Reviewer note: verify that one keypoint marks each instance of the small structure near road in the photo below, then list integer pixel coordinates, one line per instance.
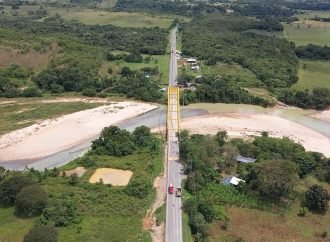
(232, 180)
(245, 160)
(191, 61)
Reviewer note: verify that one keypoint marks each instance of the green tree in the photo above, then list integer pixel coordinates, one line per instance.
(142, 136)
(43, 233)
(10, 187)
(31, 201)
(138, 188)
(114, 141)
(273, 180)
(221, 137)
(317, 198)
(61, 215)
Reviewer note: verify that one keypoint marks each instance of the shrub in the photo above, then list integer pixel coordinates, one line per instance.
(317, 198)
(134, 57)
(73, 179)
(87, 161)
(89, 92)
(32, 92)
(61, 215)
(303, 211)
(30, 201)
(138, 189)
(11, 187)
(42, 233)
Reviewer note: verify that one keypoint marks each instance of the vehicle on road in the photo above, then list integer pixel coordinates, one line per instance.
(171, 188)
(178, 192)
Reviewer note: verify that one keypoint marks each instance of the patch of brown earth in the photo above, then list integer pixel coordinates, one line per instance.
(30, 59)
(79, 171)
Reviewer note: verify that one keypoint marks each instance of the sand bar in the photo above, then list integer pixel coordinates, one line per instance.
(52, 136)
(322, 115)
(243, 125)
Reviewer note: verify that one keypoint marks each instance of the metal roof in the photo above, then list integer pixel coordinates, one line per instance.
(232, 180)
(245, 159)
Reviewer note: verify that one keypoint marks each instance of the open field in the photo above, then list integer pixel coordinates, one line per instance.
(312, 13)
(258, 226)
(308, 32)
(316, 74)
(11, 227)
(111, 176)
(160, 61)
(10, 56)
(244, 77)
(122, 19)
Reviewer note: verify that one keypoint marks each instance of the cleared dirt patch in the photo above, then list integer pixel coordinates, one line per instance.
(79, 171)
(30, 59)
(111, 176)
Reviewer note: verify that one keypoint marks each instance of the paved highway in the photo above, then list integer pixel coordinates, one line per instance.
(173, 231)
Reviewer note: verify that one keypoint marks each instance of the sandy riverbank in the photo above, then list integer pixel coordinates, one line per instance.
(243, 125)
(322, 115)
(52, 136)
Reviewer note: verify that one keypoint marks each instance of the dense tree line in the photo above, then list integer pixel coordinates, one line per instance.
(313, 52)
(308, 5)
(220, 89)
(317, 98)
(173, 7)
(217, 38)
(264, 10)
(145, 40)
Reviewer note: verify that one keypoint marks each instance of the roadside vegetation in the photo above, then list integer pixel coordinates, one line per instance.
(276, 184)
(70, 208)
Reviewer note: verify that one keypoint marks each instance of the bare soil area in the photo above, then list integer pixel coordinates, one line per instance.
(79, 171)
(111, 176)
(9, 56)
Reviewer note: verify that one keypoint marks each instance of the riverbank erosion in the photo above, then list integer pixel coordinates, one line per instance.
(245, 125)
(51, 136)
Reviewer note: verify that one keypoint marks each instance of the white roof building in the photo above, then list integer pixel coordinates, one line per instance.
(232, 180)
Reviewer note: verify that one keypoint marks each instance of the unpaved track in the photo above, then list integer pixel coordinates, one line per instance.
(149, 222)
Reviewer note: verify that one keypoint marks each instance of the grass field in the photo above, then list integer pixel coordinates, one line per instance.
(122, 19)
(16, 116)
(160, 61)
(244, 77)
(308, 32)
(107, 213)
(316, 74)
(11, 227)
(312, 13)
(256, 225)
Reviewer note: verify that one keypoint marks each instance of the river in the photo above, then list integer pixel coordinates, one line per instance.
(157, 118)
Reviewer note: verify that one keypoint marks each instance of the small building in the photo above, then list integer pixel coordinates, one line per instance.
(232, 180)
(163, 89)
(194, 67)
(192, 61)
(243, 159)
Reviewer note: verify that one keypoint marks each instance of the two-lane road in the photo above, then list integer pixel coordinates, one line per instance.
(173, 231)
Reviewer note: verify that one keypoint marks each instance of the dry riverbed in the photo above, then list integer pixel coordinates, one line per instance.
(52, 136)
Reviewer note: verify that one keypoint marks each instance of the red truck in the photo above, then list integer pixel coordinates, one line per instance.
(171, 188)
